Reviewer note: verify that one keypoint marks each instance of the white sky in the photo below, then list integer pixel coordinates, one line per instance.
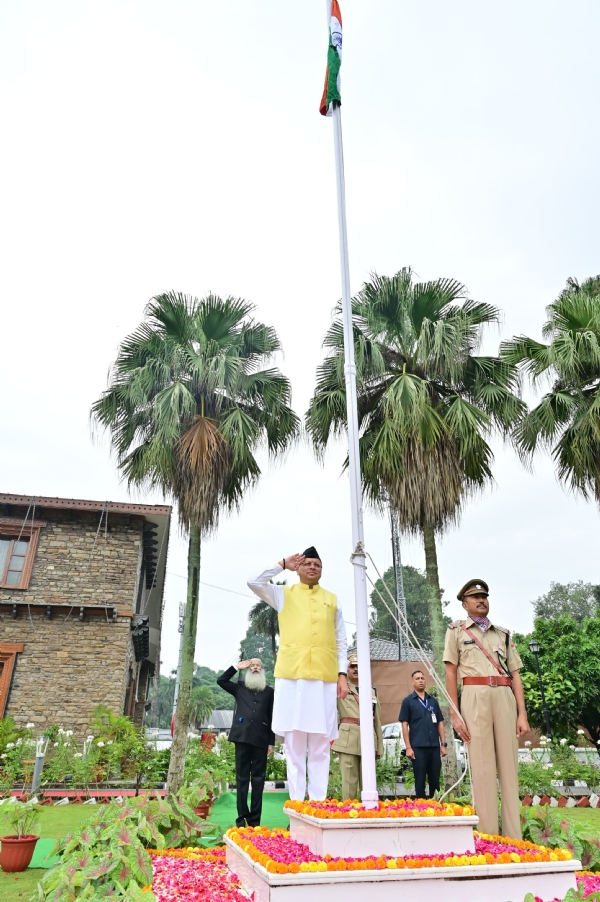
(150, 146)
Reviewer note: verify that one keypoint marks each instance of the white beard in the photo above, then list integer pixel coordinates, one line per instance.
(255, 681)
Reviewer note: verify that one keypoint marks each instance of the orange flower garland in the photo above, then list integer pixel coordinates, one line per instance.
(351, 808)
(264, 846)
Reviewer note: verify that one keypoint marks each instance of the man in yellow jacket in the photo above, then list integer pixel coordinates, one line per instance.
(310, 674)
(347, 745)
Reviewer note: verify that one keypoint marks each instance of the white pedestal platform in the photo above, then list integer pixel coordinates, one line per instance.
(397, 837)
(475, 883)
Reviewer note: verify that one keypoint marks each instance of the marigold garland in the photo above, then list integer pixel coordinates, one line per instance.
(200, 875)
(278, 853)
(352, 808)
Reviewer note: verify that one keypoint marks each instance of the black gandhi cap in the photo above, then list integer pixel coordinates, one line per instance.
(312, 552)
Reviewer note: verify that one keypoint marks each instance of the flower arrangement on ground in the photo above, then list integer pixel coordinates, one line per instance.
(183, 875)
(192, 874)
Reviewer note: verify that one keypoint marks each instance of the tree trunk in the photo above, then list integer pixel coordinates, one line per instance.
(182, 714)
(436, 621)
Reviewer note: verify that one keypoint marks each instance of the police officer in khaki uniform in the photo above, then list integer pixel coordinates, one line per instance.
(348, 742)
(483, 656)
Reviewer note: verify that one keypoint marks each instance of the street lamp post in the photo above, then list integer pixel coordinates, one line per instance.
(534, 648)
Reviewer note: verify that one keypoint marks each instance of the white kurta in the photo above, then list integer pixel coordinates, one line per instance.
(309, 706)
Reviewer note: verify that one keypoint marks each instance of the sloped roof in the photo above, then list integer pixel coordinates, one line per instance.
(385, 650)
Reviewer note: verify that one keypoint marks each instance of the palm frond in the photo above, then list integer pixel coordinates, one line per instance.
(190, 399)
(426, 403)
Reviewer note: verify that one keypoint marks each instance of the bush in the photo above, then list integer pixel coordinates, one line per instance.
(214, 768)
(546, 827)
(107, 857)
(555, 761)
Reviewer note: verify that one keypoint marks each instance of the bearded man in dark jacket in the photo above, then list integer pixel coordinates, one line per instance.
(252, 734)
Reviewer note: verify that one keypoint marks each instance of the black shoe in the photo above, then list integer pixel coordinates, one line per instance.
(240, 822)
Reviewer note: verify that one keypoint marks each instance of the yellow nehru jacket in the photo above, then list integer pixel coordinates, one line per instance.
(307, 645)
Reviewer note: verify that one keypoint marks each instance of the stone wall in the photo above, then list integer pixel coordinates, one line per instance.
(63, 571)
(68, 667)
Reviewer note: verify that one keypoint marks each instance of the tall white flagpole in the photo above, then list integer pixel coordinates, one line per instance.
(369, 795)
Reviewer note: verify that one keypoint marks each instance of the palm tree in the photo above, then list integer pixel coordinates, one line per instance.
(202, 703)
(567, 419)
(189, 402)
(426, 405)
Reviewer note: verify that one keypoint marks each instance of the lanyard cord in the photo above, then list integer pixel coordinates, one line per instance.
(421, 655)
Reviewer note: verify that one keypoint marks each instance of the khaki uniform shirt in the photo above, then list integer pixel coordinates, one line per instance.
(348, 741)
(460, 649)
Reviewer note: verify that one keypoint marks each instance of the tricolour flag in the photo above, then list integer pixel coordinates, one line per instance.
(331, 91)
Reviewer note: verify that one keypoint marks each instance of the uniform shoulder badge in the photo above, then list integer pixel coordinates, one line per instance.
(455, 624)
(502, 629)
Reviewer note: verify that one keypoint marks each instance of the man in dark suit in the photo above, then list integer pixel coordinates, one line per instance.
(252, 734)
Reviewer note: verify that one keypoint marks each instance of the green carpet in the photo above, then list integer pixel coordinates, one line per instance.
(43, 847)
(224, 811)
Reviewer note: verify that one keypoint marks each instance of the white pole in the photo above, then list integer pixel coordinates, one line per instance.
(180, 659)
(369, 795)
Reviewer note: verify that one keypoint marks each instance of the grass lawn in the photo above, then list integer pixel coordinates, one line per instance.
(54, 823)
(588, 817)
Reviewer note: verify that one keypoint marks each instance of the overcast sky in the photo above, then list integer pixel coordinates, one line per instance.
(151, 145)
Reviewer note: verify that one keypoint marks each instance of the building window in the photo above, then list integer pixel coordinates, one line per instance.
(17, 552)
(13, 554)
(8, 655)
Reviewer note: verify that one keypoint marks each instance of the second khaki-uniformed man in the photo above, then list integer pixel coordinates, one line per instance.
(492, 707)
(348, 742)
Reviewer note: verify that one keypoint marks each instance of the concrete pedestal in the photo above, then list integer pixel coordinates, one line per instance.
(384, 836)
(473, 883)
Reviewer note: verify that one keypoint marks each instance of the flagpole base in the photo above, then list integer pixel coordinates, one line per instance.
(369, 798)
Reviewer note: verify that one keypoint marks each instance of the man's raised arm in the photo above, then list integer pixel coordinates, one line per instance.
(266, 591)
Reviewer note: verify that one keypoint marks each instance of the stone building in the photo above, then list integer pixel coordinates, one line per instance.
(81, 599)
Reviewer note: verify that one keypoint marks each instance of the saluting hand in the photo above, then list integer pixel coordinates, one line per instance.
(243, 664)
(292, 561)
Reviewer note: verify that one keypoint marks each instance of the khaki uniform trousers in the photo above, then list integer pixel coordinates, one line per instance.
(490, 713)
(351, 776)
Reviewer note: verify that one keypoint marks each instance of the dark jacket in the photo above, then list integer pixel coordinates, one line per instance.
(253, 712)
(422, 730)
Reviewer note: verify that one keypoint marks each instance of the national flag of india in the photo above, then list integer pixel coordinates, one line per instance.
(331, 91)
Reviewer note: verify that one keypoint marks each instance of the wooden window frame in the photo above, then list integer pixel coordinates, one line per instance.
(8, 657)
(11, 527)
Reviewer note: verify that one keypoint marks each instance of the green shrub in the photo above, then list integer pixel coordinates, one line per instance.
(19, 819)
(546, 827)
(107, 857)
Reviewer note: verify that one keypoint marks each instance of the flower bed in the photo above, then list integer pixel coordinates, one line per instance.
(278, 853)
(201, 875)
(588, 882)
(351, 808)
(194, 875)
